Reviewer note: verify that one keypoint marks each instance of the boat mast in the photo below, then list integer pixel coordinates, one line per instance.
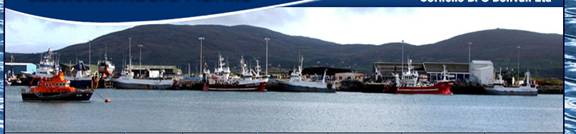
(220, 62)
(242, 65)
(130, 51)
(500, 76)
(444, 73)
(527, 75)
(258, 69)
(301, 64)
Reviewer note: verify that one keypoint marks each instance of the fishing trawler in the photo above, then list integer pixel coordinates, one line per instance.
(105, 71)
(47, 66)
(55, 88)
(409, 83)
(499, 88)
(106, 68)
(378, 84)
(249, 80)
(82, 77)
(297, 84)
(142, 77)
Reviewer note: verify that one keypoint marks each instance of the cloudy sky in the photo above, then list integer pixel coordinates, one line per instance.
(419, 26)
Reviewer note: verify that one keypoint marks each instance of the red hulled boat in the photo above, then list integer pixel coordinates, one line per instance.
(410, 83)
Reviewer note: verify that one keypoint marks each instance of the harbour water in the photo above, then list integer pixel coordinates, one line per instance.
(198, 111)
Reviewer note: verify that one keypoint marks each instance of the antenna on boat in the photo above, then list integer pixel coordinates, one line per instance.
(527, 75)
(301, 64)
(444, 73)
(57, 61)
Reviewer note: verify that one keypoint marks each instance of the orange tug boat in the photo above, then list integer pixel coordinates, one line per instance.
(55, 88)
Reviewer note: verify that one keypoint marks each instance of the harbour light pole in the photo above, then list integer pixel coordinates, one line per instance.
(130, 51)
(518, 61)
(402, 55)
(140, 56)
(469, 52)
(89, 53)
(201, 38)
(469, 59)
(266, 39)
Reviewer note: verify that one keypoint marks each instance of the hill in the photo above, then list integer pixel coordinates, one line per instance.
(179, 45)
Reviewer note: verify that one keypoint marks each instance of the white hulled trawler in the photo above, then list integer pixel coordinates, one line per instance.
(142, 77)
(297, 84)
(248, 80)
(500, 88)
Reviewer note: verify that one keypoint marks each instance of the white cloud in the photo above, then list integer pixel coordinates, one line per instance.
(28, 34)
(420, 25)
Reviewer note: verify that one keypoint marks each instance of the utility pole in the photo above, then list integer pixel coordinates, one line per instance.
(402, 55)
(188, 69)
(201, 38)
(140, 56)
(469, 59)
(130, 51)
(518, 61)
(266, 39)
(89, 53)
(469, 52)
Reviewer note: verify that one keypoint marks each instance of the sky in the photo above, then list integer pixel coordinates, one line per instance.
(417, 26)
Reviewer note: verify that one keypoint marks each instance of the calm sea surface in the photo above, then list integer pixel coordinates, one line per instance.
(170, 111)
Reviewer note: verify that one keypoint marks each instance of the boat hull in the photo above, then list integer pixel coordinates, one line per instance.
(238, 87)
(120, 85)
(524, 91)
(189, 84)
(143, 84)
(84, 84)
(378, 88)
(81, 95)
(286, 86)
(443, 88)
